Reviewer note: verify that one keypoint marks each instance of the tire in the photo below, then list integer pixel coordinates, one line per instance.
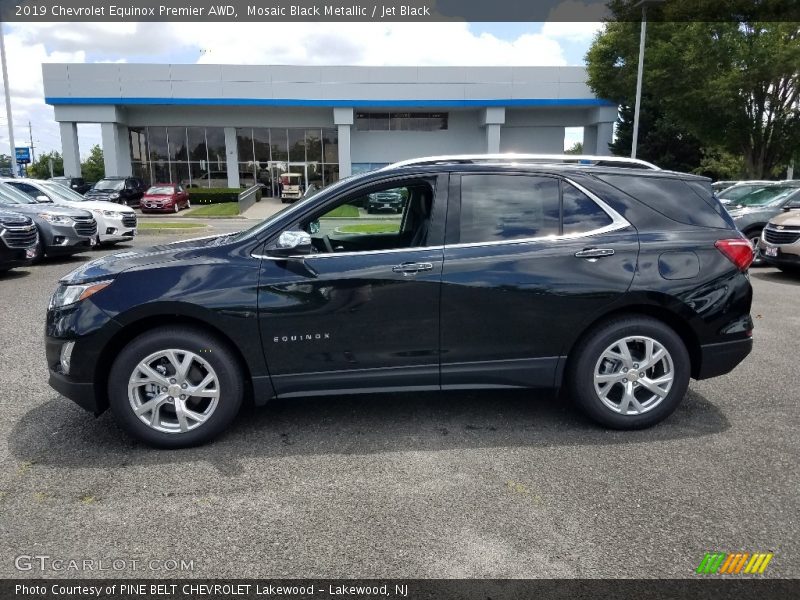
(188, 204)
(754, 235)
(210, 357)
(175, 208)
(591, 358)
(39, 251)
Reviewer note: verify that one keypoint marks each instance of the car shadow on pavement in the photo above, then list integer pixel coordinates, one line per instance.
(16, 273)
(60, 434)
(777, 276)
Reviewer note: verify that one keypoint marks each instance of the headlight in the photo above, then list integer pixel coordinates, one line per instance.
(70, 294)
(114, 195)
(113, 214)
(56, 219)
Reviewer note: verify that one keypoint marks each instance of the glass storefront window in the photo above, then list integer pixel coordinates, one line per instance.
(330, 145)
(157, 141)
(279, 144)
(297, 145)
(177, 144)
(313, 145)
(261, 139)
(197, 143)
(244, 144)
(215, 138)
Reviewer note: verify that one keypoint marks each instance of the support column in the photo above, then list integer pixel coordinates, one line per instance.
(605, 135)
(70, 150)
(232, 157)
(116, 149)
(343, 119)
(590, 139)
(492, 118)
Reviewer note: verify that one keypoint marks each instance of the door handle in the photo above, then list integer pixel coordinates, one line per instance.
(410, 268)
(594, 252)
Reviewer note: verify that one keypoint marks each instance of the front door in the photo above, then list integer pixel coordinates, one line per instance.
(362, 310)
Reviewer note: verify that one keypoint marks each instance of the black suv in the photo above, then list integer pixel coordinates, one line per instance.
(77, 184)
(122, 190)
(18, 240)
(618, 284)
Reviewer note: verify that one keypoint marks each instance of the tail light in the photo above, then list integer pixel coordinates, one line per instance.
(738, 251)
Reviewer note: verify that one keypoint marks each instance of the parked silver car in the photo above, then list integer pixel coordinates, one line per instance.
(62, 229)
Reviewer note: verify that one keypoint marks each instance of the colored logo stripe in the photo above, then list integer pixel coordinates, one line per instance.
(723, 563)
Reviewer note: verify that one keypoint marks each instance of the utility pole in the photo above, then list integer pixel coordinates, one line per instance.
(30, 133)
(8, 102)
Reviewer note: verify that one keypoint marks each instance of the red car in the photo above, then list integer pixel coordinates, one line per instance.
(165, 197)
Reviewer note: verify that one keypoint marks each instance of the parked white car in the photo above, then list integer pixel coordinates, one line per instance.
(115, 222)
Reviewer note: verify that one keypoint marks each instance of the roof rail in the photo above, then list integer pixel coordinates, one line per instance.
(576, 159)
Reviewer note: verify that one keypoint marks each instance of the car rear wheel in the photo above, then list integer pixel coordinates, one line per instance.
(630, 373)
(175, 387)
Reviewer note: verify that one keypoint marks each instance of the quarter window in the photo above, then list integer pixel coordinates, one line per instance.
(580, 213)
(508, 207)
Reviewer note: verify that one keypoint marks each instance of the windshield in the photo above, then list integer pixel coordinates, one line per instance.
(160, 190)
(62, 192)
(10, 195)
(765, 196)
(110, 185)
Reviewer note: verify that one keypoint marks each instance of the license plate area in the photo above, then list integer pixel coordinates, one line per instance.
(771, 252)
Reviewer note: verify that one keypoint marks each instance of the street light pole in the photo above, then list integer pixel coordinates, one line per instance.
(639, 72)
(8, 101)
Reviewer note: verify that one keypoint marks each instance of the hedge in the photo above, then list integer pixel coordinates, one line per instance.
(215, 195)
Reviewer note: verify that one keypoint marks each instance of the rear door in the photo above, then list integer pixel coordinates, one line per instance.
(528, 260)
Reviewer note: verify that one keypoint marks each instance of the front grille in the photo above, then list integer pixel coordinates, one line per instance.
(85, 226)
(129, 220)
(19, 237)
(787, 236)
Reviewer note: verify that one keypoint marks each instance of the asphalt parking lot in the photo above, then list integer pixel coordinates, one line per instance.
(461, 484)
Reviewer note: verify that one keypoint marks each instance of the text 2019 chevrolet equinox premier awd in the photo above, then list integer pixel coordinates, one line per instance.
(617, 283)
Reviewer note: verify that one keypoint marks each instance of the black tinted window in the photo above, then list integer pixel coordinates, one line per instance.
(581, 213)
(669, 196)
(508, 207)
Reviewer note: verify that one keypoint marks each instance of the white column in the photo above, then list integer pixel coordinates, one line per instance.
(70, 149)
(605, 135)
(343, 119)
(492, 118)
(232, 157)
(116, 149)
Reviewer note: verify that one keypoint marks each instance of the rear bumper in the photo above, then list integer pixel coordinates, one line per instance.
(722, 358)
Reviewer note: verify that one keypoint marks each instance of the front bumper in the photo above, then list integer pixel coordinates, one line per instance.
(63, 239)
(721, 358)
(11, 258)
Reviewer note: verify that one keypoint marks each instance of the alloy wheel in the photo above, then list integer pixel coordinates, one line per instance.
(633, 375)
(173, 391)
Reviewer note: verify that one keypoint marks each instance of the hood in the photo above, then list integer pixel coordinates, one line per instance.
(113, 264)
(102, 205)
(159, 197)
(48, 208)
(789, 218)
(8, 217)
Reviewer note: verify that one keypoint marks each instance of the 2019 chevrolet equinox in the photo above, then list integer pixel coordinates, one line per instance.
(618, 282)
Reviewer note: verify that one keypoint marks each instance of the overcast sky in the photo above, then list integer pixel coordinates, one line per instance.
(28, 45)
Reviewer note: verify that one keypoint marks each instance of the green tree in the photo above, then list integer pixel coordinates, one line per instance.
(730, 86)
(41, 168)
(93, 168)
(576, 148)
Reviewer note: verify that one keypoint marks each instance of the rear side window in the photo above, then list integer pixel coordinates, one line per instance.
(508, 207)
(671, 197)
(580, 213)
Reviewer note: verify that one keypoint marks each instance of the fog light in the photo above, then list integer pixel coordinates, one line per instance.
(66, 357)
(59, 239)
(111, 230)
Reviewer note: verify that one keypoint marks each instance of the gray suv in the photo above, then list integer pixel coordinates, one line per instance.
(62, 229)
(753, 211)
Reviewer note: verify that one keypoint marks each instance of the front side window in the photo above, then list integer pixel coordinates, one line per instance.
(386, 218)
(508, 207)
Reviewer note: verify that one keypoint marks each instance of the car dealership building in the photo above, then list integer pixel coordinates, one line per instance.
(206, 124)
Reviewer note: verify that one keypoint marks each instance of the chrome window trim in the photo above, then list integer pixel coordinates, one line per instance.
(618, 222)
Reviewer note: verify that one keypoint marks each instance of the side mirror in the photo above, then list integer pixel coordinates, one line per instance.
(42, 198)
(291, 243)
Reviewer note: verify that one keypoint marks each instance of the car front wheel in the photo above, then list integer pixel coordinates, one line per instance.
(175, 387)
(630, 373)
